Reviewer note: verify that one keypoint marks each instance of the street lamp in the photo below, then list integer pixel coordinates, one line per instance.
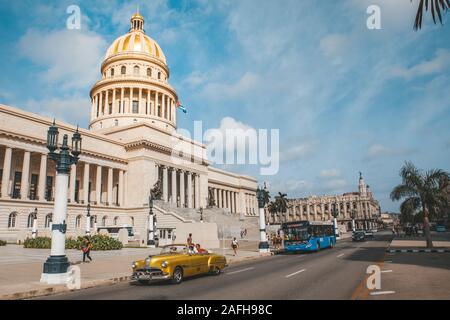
(353, 215)
(151, 224)
(34, 230)
(263, 244)
(88, 220)
(335, 213)
(55, 268)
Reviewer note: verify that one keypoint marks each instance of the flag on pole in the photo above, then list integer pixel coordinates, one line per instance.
(182, 108)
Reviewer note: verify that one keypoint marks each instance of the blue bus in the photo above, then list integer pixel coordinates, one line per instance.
(308, 236)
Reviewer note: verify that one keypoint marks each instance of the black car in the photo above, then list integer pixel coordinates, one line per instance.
(359, 236)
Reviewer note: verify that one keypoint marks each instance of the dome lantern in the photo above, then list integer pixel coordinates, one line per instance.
(137, 22)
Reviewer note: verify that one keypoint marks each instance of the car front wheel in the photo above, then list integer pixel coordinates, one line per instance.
(177, 276)
(215, 271)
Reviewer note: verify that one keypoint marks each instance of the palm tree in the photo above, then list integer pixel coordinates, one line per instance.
(281, 203)
(435, 6)
(421, 191)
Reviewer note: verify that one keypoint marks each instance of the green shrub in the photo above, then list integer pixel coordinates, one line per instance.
(2, 243)
(38, 243)
(99, 243)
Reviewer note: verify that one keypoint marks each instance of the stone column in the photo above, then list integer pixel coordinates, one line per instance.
(148, 110)
(165, 185)
(86, 183)
(182, 188)
(163, 106)
(25, 183)
(219, 204)
(6, 172)
(174, 186)
(122, 100)
(125, 188)
(232, 202)
(107, 101)
(216, 200)
(156, 103)
(140, 109)
(42, 177)
(101, 104)
(98, 185)
(110, 186)
(130, 104)
(189, 189)
(197, 191)
(114, 101)
(227, 205)
(72, 181)
(121, 187)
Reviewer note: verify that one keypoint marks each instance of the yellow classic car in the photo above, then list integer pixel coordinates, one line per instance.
(176, 262)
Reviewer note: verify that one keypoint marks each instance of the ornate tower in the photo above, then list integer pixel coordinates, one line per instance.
(362, 185)
(134, 87)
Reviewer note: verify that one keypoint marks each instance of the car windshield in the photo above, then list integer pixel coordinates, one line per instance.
(181, 249)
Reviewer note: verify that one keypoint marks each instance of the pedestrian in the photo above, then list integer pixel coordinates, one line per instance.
(234, 245)
(190, 244)
(86, 247)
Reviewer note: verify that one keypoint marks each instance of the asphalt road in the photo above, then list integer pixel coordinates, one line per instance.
(337, 273)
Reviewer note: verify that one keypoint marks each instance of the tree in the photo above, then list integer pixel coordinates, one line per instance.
(422, 191)
(437, 8)
(281, 203)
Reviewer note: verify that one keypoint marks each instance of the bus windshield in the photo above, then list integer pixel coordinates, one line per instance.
(296, 234)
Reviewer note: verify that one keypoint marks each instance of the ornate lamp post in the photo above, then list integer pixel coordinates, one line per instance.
(353, 215)
(34, 230)
(263, 244)
(88, 220)
(335, 213)
(55, 268)
(151, 224)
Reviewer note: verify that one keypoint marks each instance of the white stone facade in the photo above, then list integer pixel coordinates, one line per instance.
(131, 143)
(361, 204)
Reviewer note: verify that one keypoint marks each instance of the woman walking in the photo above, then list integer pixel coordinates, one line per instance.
(86, 247)
(234, 245)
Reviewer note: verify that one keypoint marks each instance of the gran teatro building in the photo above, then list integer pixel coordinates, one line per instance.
(130, 145)
(359, 205)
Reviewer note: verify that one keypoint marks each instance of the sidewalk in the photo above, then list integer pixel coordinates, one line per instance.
(20, 269)
(441, 243)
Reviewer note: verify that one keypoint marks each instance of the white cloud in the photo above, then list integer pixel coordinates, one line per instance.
(330, 173)
(303, 150)
(71, 109)
(71, 58)
(439, 64)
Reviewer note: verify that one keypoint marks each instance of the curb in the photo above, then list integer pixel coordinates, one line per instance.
(46, 291)
(417, 250)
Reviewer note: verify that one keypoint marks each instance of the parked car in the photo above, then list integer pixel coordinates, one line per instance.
(358, 236)
(368, 233)
(176, 262)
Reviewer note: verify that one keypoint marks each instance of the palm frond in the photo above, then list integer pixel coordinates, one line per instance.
(435, 6)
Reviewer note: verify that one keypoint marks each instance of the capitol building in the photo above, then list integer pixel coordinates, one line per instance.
(130, 145)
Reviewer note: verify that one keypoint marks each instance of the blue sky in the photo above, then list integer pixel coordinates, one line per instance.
(345, 98)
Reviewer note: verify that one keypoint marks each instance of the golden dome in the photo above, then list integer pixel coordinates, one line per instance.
(136, 42)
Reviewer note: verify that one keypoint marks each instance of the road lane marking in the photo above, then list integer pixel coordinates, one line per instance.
(242, 270)
(342, 254)
(377, 293)
(385, 271)
(293, 274)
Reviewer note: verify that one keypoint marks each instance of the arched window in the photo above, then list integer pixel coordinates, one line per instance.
(30, 220)
(104, 219)
(93, 219)
(123, 70)
(112, 72)
(12, 220)
(149, 72)
(132, 221)
(159, 75)
(116, 220)
(78, 222)
(136, 70)
(48, 220)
